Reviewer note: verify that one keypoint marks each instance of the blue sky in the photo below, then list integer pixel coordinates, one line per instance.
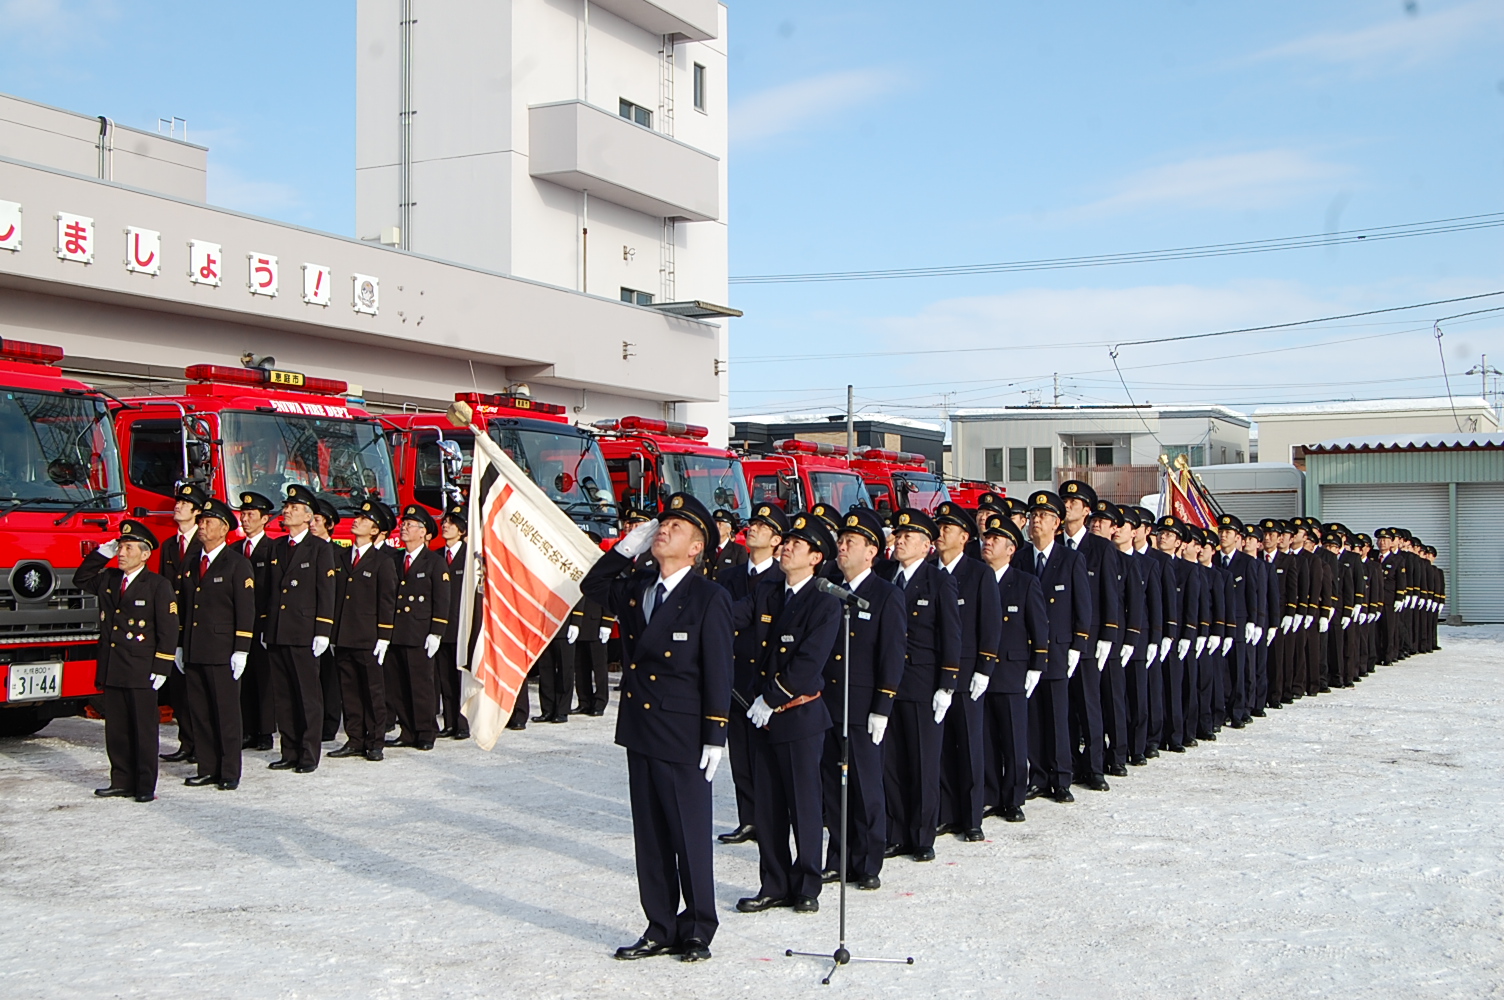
(866, 135)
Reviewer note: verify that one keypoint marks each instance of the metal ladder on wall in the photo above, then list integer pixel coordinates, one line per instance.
(666, 125)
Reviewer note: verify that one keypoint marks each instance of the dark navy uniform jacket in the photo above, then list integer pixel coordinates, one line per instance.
(878, 644)
(368, 599)
(933, 648)
(1192, 624)
(1169, 593)
(422, 598)
(457, 591)
(981, 617)
(138, 630)
(1243, 604)
(1151, 572)
(1067, 601)
(1024, 642)
(1135, 604)
(755, 601)
(261, 562)
(804, 631)
(219, 610)
(301, 580)
(1105, 576)
(676, 679)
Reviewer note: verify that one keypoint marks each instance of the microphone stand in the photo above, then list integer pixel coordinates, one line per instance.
(841, 956)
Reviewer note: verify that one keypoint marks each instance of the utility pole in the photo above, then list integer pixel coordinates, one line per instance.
(850, 424)
(1483, 371)
(1057, 388)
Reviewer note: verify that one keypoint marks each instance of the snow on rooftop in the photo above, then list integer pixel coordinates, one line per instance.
(1410, 442)
(837, 420)
(1374, 406)
(1068, 412)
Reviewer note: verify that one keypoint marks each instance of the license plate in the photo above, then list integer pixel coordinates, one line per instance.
(35, 681)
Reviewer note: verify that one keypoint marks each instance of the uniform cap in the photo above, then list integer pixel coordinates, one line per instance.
(1075, 489)
(634, 515)
(687, 507)
(1045, 500)
(1002, 526)
(725, 516)
(950, 512)
(992, 501)
(298, 493)
(458, 516)
(866, 522)
(135, 531)
(1107, 510)
(772, 515)
(193, 493)
(250, 500)
(1016, 506)
(379, 514)
(417, 512)
(813, 530)
(213, 507)
(1253, 531)
(1174, 525)
(828, 514)
(1229, 521)
(914, 519)
(1130, 515)
(326, 510)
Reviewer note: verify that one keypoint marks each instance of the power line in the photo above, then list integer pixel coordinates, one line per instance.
(1465, 223)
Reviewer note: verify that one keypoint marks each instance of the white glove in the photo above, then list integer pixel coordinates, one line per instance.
(941, 703)
(979, 684)
(1164, 648)
(1269, 637)
(237, 664)
(1358, 612)
(263, 641)
(1248, 631)
(1072, 657)
(639, 539)
(710, 759)
(1152, 653)
(877, 726)
(1226, 644)
(1182, 647)
(1258, 634)
(320, 645)
(108, 549)
(1124, 655)
(1200, 644)
(1346, 621)
(431, 645)
(380, 650)
(177, 659)
(1031, 681)
(1309, 619)
(1325, 623)
(605, 634)
(1286, 623)
(157, 680)
(1399, 605)
(760, 712)
(571, 634)
(1103, 648)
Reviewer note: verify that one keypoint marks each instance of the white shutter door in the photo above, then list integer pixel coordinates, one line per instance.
(1419, 507)
(1477, 587)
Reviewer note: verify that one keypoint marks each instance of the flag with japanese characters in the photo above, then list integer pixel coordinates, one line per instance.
(522, 576)
(1183, 498)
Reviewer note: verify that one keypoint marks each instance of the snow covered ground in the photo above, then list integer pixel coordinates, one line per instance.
(1347, 846)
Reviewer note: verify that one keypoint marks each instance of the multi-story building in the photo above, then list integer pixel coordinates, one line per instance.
(1285, 430)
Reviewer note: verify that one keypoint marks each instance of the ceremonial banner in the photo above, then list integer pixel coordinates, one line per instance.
(1183, 497)
(523, 569)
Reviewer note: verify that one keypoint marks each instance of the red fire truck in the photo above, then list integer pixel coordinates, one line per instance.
(433, 456)
(260, 429)
(60, 497)
(968, 492)
(652, 459)
(799, 474)
(899, 479)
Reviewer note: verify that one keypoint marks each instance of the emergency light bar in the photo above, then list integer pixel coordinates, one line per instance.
(265, 377)
(21, 350)
(799, 447)
(672, 428)
(884, 455)
(505, 400)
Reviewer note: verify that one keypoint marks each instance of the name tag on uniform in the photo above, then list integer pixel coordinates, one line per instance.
(922, 603)
(960, 600)
(421, 575)
(366, 574)
(865, 616)
(219, 579)
(786, 638)
(1237, 579)
(1013, 608)
(1059, 586)
(681, 636)
(768, 619)
(1279, 571)
(140, 604)
(304, 566)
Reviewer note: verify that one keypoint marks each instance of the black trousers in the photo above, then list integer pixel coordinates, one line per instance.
(789, 801)
(1136, 699)
(1172, 671)
(963, 772)
(1049, 734)
(1208, 665)
(555, 679)
(417, 713)
(131, 724)
(1114, 696)
(1086, 718)
(1258, 678)
(362, 685)
(176, 692)
(866, 832)
(1154, 702)
(214, 700)
(333, 702)
(911, 772)
(447, 671)
(258, 709)
(592, 690)
(1008, 723)
(1190, 697)
(743, 743)
(671, 835)
(522, 707)
(300, 703)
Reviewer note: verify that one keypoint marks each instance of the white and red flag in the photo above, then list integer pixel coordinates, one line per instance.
(522, 576)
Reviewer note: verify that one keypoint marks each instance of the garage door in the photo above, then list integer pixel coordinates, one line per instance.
(1422, 508)
(1478, 584)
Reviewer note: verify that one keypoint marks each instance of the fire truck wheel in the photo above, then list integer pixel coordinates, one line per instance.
(21, 721)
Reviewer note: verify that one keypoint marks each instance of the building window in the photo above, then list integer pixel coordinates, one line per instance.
(636, 113)
(992, 459)
(631, 295)
(1018, 465)
(699, 87)
(1043, 473)
(1104, 454)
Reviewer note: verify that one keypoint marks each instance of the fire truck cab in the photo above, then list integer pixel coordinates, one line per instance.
(968, 492)
(899, 479)
(260, 429)
(433, 457)
(652, 459)
(61, 496)
(799, 474)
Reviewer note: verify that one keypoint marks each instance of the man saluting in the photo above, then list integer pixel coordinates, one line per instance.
(675, 694)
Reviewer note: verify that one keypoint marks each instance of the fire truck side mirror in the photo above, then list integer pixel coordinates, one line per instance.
(139, 512)
(634, 473)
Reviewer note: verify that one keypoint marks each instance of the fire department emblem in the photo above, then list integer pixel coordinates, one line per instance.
(32, 581)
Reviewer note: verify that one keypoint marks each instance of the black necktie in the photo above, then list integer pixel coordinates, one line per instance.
(1071, 544)
(1039, 564)
(660, 594)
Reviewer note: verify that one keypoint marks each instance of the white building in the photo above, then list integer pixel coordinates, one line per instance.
(1283, 430)
(579, 143)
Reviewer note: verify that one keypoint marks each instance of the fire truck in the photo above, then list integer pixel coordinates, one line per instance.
(260, 429)
(968, 492)
(796, 475)
(433, 456)
(653, 459)
(61, 496)
(899, 479)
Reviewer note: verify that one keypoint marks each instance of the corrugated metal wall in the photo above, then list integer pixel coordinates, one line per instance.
(1403, 467)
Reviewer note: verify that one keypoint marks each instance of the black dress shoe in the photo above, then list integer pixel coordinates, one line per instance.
(282, 765)
(975, 836)
(201, 779)
(830, 875)
(693, 950)
(1097, 783)
(423, 745)
(248, 743)
(462, 734)
(523, 725)
(1062, 795)
(1035, 792)
(264, 743)
(869, 882)
(348, 750)
(1012, 814)
(989, 811)
(446, 732)
(1189, 743)
(1117, 770)
(559, 718)
(305, 769)
(894, 850)
(1208, 737)
(330, 737)
(146, 798)
(945, 828)
(806, 904)
(756, 904)
(228, 786)
(740, 835)
(1176, 748)
(1138, 760)
(1259, 713)
(1152, 752)
(924, 854)
(543, 718)
(176, 755)
(112, 793)
(596, 715)
(642, 948)
(376, 754)
(1237, 724)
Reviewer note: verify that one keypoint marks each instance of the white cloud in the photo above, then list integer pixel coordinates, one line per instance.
(1234, 182)
(1405, 41)
(792, 106)
(228, 188)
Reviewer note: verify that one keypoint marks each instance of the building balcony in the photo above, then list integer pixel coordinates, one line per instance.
(585, 148)
(692, 20)
(1118, 483)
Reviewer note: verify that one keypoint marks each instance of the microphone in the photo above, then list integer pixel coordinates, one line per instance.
(824, 586)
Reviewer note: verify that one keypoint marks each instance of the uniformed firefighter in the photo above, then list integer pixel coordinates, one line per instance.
(175, 559)
(363, 631)
(258, 711)
(423, 585)
(299, 622)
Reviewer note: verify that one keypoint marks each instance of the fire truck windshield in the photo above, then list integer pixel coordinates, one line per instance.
(567, 465)
(921, 490)
(842, 490)
(344, 461)
(717, 482)
(57, 449)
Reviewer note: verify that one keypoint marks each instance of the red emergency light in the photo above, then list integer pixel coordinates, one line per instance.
(511, 402)
(647, 425)
(799, 447)
(267, 377)
(901, 457)
(21, 350)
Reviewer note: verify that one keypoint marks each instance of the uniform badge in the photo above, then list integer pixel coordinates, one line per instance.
(677, 503)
